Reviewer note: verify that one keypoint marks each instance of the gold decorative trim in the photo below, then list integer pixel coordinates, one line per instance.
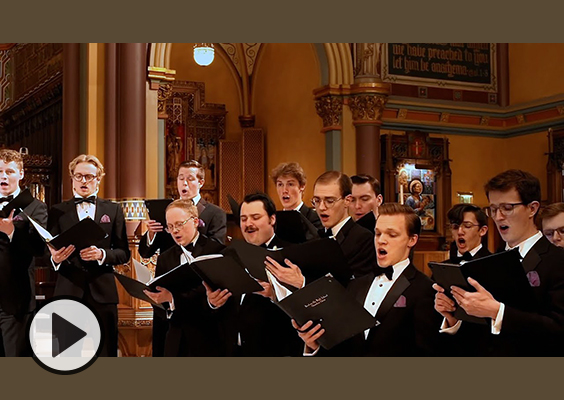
(484, 120)
(520, 119)
(367, 107)
(161, 74)
(445, 117)
(164, 92)
(330, 109)
(560, 109)
(402, 113)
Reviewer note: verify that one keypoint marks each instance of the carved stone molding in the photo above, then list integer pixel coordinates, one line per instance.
(164, 92)
(367, 108)
(330, 109)
(367, 60)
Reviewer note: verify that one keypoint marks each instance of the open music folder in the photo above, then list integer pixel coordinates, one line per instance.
(21, 201)
(327, 302)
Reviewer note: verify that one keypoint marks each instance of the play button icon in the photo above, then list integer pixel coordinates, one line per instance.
(65, 336)
(67, 333)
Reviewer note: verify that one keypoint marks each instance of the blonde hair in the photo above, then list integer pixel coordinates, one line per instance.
(8, 156)
(90, 159)
(186, 205)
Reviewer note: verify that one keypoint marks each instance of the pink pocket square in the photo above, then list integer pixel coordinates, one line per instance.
(401, 302)
(201, 223)
(105, 219)
(17, 218)
(533, 277)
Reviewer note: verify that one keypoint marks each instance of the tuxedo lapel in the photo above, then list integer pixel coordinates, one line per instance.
(201, 206)
(364, 284)
(533, 257)
(400, 285)
(342, 235)
(199, 246)
(70, 216)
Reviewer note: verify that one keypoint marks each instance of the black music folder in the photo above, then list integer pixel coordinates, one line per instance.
(157, 209)
(326, 301)
(293, 227)
(22, 200)
(226, 273)
(135, 288)
(368, 221)
(501, 274)
(250, 256)
(83, 234)
(235, 209)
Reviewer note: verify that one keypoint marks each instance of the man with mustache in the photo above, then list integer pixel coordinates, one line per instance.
(514, 198)
(213, 220)
(19, 242)
(253, 326)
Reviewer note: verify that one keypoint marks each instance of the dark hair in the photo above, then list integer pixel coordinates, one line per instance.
(363, 178)
(267, 202)
(412, 221)
(551, 210)
(345, 184)
(526, 184)
(292, 169)
(456, 214)
(201, 174)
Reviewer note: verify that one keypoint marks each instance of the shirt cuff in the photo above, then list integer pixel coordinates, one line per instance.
(170, 310)
(308, 353)
(150, 241)
(212, 307)
(56, 266)
(496, 324)
(452, 329)
(10, 236)
(101, 262)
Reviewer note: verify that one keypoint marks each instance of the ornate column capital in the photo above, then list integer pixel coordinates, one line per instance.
(164, 92)
(330, 109)
(367, 109)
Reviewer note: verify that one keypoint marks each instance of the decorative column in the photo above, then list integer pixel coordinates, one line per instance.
(71, 112)
(330, 108)
(131, 130)
(110, 123)
(368, 99)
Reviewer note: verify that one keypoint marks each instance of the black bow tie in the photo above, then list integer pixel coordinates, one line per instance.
(189, 247)
(465, 257)
(6, 199)
(90, 199)
(388, 271)
(325, 233)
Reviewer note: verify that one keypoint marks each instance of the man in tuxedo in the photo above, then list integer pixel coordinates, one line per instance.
(253, 325)
(88, 274)
(19, 243)
(331, 198)
(365, 200)
(468, 224)
(552, 217)
(397, 294)
(290, 181)
(187, 328)
(213, 220)
(514, 198)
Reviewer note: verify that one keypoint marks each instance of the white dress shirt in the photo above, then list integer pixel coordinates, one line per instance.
(2, 205)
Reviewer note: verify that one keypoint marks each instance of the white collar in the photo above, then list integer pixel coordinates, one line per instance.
(297, 208)
(398, 269)
(193, 242)
(526, 245)
(338, 227)
(95, 194)
(16, 192)
(196, 199)
(472, 252)
(267, 243)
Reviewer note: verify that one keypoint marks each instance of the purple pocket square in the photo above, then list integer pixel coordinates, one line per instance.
(201, 223)
(533, 277)
(401, 302)
(17, 218)
(105, 219)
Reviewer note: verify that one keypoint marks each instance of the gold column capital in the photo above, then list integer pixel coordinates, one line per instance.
(330, 109)
(367, 109)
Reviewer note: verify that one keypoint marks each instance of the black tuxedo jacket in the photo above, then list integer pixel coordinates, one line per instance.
(357, 244)
(192, 330)
(74, 274)
(17, 283)
(311, 216)
(408, 321)
(265, 329)
(214, 227)
(539, 333)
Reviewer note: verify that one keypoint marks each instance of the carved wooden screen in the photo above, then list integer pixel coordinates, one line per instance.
(193, 131)
(555, 166)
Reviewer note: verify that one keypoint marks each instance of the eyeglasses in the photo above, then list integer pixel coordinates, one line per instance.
(329, 201)
(170, 228)
(464, 225)
(87, 178)
(505, 209)
(549, 233)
